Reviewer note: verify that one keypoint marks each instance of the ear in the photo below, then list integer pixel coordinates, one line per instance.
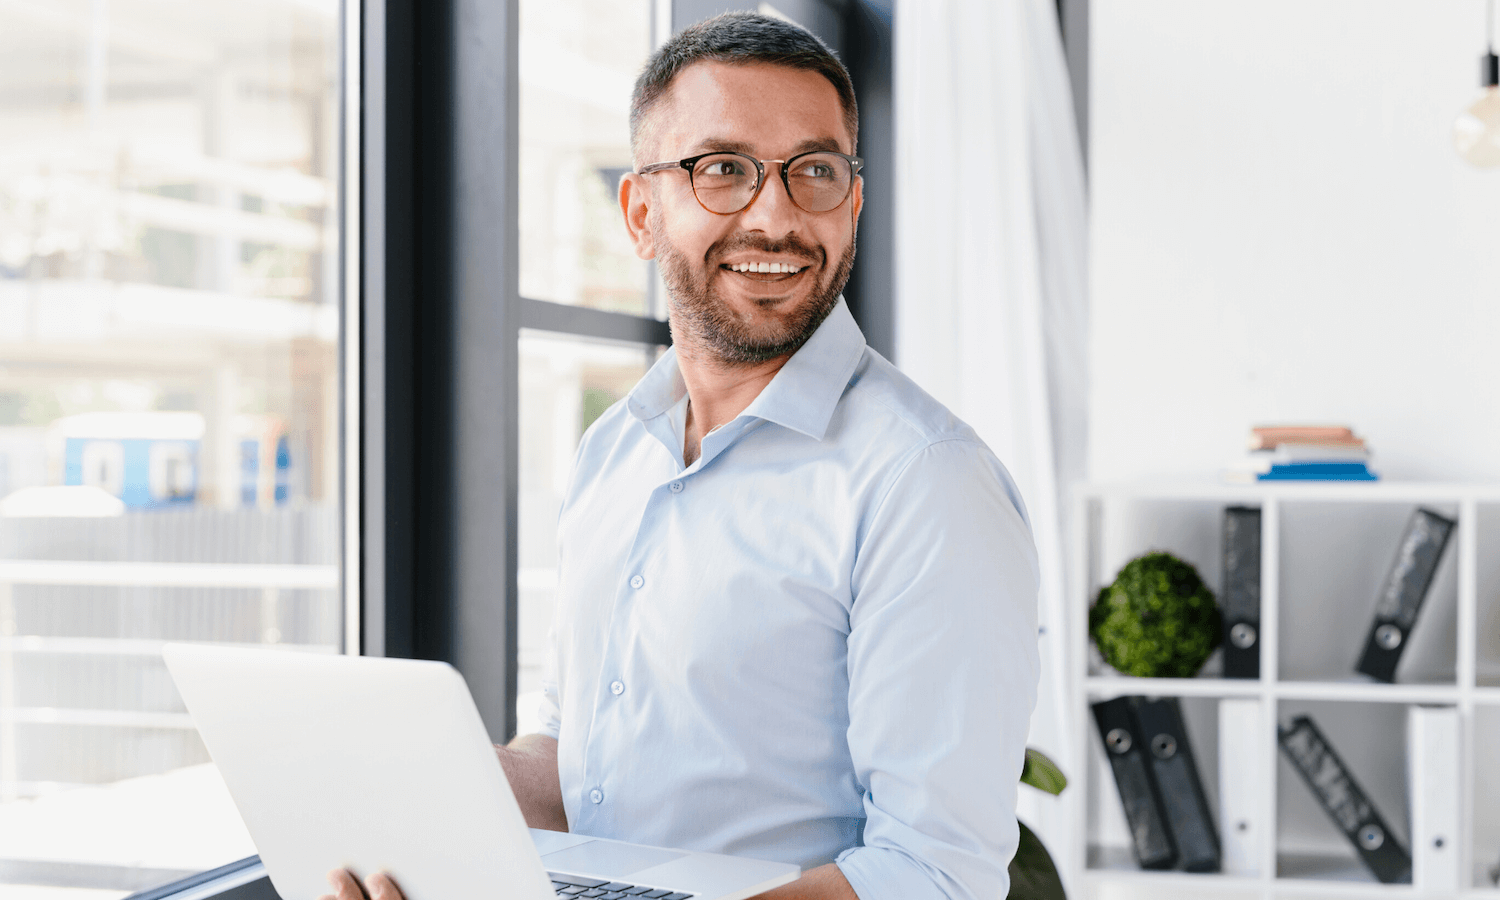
(859, 200)
(635, 204)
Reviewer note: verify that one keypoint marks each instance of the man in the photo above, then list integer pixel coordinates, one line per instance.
(797, 607)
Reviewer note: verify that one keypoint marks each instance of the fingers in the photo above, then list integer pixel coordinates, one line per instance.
(382, 887)
(345, 886)
(379, 886)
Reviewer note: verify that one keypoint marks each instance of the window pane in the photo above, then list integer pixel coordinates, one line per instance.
(579, 60)
(566, 383)
(169, 377)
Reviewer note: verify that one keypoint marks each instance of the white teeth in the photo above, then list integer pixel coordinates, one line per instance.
(767, 268)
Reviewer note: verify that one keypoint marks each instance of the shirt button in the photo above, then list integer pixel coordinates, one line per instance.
(676, 487)
(617, 688)
(637, 582)
(596, 795)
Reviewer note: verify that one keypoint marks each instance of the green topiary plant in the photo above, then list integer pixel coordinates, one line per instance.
(1158, 619)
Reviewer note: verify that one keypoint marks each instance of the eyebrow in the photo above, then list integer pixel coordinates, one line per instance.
(716, 145)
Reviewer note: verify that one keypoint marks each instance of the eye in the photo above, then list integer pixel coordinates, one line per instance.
(815, 169)
(721, 168)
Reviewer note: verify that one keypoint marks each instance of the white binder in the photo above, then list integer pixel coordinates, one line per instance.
(1433, 760)
(1243, 782)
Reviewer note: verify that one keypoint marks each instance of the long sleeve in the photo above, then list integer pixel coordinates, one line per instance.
(943, 669)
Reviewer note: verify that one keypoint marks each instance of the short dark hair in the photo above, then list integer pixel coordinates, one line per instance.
(738, 38)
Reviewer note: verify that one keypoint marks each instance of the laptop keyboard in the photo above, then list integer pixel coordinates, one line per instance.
(578, 886)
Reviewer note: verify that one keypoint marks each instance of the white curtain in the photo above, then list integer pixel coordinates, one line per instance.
(991, 303)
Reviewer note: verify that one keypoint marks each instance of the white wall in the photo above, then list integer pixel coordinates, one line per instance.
(1283, 232)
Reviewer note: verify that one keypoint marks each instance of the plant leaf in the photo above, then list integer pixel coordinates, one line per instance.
(1042, 773)
(1033, 876)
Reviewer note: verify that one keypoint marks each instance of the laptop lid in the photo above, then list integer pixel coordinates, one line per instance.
(371, 764)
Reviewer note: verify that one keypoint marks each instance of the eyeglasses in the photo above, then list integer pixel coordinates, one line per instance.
(817, 181)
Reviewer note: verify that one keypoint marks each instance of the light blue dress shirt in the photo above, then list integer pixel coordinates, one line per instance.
(817, 643)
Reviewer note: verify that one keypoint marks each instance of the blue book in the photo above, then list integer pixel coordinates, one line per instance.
(1319, 471)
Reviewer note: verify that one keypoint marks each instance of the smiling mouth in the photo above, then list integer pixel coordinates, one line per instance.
(764, 272)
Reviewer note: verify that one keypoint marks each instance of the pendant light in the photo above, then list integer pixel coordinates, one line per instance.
(1476, 131)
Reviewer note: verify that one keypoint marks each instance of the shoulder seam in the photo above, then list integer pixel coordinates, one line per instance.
(916, 429)
(911, 457)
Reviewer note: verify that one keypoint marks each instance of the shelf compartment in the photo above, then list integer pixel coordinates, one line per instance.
(1334, 561)
(1108, 836)
(1370, 738)
(1188, 530)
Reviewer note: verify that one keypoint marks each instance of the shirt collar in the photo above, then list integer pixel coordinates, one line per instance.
(658, 390)
(801, 397)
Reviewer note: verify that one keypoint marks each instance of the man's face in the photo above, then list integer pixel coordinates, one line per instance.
(768, 112)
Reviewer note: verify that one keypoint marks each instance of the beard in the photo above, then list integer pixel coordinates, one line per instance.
(700, 317)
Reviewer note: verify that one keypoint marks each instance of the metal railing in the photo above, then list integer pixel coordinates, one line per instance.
(271, 581)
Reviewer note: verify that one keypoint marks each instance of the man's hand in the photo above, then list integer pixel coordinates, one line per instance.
(530, 764)
(346, 887)
(823, 883)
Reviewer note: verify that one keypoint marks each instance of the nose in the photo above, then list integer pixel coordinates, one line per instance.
(771, 210)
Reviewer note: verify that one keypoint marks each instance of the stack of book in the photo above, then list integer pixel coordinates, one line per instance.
(1304, 453)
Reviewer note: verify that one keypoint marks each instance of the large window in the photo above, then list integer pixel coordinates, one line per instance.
(170, 456)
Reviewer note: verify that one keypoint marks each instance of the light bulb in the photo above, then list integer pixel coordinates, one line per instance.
(1476, 131)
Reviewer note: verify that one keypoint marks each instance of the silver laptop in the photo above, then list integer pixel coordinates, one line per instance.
(384, 765)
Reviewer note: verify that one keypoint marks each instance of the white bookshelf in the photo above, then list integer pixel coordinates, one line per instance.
(1325, 549)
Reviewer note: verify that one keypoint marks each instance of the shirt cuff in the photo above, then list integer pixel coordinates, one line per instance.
(879, 873)
(549, 714)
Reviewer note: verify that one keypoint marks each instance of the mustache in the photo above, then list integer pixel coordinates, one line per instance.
(791, 245)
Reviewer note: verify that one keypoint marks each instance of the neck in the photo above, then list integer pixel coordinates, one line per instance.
(718, 391)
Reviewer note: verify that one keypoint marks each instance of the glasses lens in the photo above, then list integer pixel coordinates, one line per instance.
(724, 182)
(819, 181)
